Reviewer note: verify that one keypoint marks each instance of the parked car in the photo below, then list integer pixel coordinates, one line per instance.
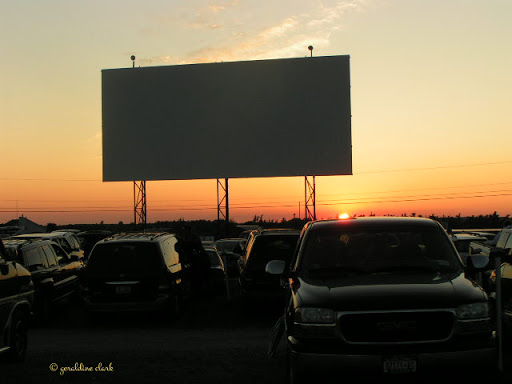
(383, 296)
(232, 244)
(506, 291)
(263, 246)
(217, 278)
(231, 249)
(462, 242)
(88, 240)
(16, 299)
(135, 272)
(67, 240)
(55, 274)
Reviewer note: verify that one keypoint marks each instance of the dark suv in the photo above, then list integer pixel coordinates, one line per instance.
(384, 295)
(16, 297)
(56, 275)
(135, 271)
(263, 246)
(67, 240)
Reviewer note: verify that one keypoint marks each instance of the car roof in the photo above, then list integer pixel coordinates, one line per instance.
(137, 237)
(231, 239)
(42, 235)
(466, 236)
(19, 243)
(375, 221)
(277, 231)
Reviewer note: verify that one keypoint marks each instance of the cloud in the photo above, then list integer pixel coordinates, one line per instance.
(289, 37)
(207, 17)
(216, 6)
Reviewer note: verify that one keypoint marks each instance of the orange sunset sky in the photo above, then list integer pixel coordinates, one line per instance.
(431, 90)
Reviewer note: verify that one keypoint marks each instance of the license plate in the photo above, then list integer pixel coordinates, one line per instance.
(399, 364)
(123, 289)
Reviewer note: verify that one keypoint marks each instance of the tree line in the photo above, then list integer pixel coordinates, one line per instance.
(218, 228)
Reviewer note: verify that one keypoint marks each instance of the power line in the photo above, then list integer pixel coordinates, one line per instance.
(169, 209)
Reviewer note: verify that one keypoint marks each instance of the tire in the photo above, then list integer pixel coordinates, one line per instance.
(18, 338)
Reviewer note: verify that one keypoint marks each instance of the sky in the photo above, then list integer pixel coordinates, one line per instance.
(431, 85)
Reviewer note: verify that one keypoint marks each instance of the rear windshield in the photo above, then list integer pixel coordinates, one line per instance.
(228, 245)
(214, 258)
(272, 247)
(125, 257)
(462, 245)
(373, 250)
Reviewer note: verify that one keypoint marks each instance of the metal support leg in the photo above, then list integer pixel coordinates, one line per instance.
(139, 200)
(310, 199)
(223, 201)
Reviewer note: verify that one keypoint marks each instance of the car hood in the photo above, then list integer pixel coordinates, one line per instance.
(386, 292)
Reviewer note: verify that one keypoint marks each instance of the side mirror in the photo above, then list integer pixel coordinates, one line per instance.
(275, 267)
(477, 262)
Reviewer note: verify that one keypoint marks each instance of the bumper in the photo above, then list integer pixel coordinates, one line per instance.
(481, 359)
(161, 302)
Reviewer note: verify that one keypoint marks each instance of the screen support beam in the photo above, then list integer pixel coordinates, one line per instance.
(223, 201)
(309, 198)
(139, 202)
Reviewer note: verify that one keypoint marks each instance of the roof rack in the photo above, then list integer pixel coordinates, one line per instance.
(136, 235)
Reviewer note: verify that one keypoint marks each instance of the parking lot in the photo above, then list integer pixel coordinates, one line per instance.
(216, 341)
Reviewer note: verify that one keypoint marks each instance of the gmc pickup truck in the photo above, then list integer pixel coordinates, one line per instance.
(383, 295)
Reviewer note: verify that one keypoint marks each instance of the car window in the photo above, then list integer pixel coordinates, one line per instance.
(508, 244)
(75, 243)
(503, 240)
(63, 243)
(12, 254)
(50, 255)
(462, 245)
(119, 257)
(169, 253)
(34, 259)
(214, 258)
(378, 249)
(228, 245)
(271, 247)
(62, 256)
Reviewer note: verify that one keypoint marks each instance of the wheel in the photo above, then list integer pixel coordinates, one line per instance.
(18, 338)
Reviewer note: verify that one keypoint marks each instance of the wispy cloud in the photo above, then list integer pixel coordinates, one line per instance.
(219, 6)
(209, 16)
(289, 37)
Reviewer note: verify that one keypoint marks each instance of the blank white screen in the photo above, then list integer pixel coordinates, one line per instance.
(268, 118)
